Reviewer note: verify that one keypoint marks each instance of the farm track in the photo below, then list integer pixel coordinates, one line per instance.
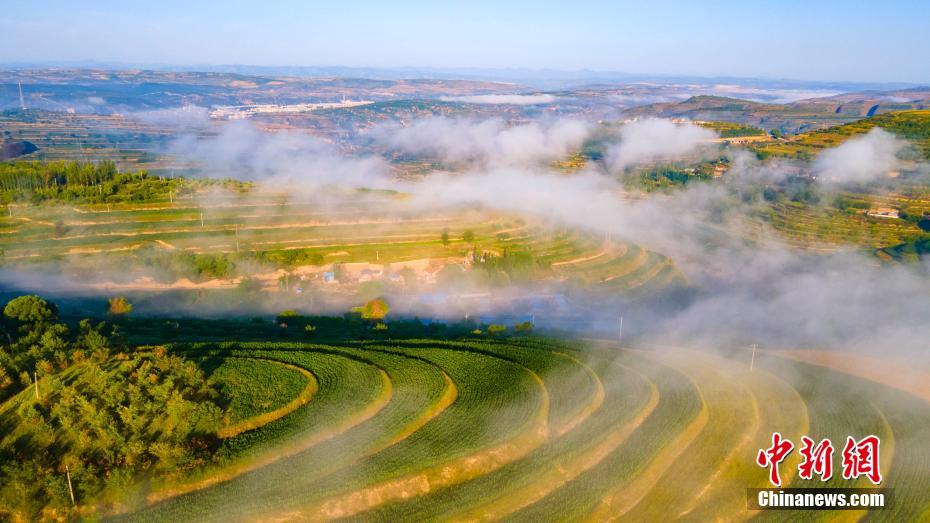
(581, 259)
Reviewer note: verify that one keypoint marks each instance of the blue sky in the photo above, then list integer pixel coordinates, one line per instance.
(811, 40)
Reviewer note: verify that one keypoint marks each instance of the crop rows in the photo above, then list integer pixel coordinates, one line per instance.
(532, 429)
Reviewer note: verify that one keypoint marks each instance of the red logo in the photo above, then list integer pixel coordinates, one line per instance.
(860, 458)
(774, 455)
(817, 459)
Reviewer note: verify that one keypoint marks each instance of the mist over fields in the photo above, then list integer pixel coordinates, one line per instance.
(745, 286)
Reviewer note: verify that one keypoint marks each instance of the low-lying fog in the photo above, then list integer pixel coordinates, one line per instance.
(746, 285)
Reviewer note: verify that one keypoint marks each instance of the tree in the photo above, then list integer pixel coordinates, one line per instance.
(444, 237)
(468, 236)
(30, 309)
(524, 328)
(118, 306)
(495, 329)
(375, 309)
(288, 316)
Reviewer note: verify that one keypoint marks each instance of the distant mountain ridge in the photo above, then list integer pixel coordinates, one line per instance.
(800, 116)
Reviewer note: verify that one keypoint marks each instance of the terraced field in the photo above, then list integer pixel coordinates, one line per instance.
(828, 228)
(911, 125)
(238, 236)
(530, 429)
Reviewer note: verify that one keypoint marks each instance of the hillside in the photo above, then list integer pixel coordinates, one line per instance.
(788, 118)
(910, 125)
(870, 103)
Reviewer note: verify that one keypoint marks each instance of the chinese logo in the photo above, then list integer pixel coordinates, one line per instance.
(859, 458)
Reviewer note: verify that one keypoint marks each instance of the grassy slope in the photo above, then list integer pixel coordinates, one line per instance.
(910, 125)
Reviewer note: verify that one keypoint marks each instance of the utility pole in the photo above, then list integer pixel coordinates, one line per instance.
(237, 238)
(620, 330)
(22, 101)
(752, 360)
(70, 489)
(35, 378)
(201, 219)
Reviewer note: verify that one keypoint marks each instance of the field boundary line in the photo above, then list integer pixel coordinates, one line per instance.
(614, 506)
(583, 259)
(562, 474)
(313, 385)
(436, 476)
(593, 406)
(866, 367)
(233, 471)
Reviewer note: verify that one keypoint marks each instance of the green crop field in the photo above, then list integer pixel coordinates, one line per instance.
(465, 426)
(519, 429)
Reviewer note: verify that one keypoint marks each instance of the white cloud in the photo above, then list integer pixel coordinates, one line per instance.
(489, 142)
(653, 139)
(860, 159)
(185, 117)
(243, 151)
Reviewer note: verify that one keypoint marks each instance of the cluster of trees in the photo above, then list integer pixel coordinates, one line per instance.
(34, 342)
(291, 258)
(194, 266)
(99, 182)
(520, 329)
(208, 266)
(845, 203)
(33, 176)
(84, 406)
(511, 266)
(672, 176)
(468, 236)
(80, 181)
(798, 189)
(292, 324)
